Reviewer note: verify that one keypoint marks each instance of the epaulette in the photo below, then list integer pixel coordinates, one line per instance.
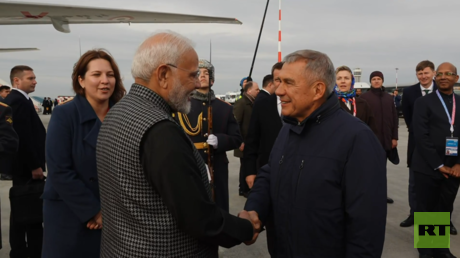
(3, 104)
(65, 101)
(224, 101)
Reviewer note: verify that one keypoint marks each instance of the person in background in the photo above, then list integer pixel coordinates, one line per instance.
(436, 169)
(29, 163)
(5, 159)
(346, 93)
(263, 129)
(243, 111)
(225, 134)
(385, 115)
(397, 99)
(358, 92)
(268, 88)
(425, 72)
(9, 141)
(71, 207)
(4, 91)
(50, 104)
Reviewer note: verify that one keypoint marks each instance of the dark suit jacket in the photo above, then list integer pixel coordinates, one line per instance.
(71, 194)
(410, 95)
(262, 95)
(32, 136)
(243, 111)
(431, 127)
(264, 127)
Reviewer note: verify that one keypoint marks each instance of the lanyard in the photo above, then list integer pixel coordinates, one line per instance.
(451, 120)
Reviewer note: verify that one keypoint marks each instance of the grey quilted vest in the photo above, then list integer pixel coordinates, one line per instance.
(136, 222)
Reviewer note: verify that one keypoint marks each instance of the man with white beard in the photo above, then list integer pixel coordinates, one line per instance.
(155, 193)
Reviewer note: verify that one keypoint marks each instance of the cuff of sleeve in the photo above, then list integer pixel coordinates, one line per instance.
(245, 226)
(439, 167)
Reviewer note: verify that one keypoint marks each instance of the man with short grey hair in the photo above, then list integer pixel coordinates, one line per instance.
(325, 183)
(155, 192)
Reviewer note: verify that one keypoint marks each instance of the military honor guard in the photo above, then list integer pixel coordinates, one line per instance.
(214, 131)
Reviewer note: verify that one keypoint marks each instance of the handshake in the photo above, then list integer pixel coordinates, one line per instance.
(253, 217)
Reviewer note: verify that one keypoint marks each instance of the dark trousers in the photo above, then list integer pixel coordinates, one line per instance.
(411, 192)
(243, 185)
(25, 240)
(435, 195)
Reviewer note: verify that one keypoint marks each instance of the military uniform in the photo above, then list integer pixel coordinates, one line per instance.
(9, 140)
(225, 128)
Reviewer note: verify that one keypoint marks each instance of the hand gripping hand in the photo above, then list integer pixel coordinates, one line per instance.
(253, 217)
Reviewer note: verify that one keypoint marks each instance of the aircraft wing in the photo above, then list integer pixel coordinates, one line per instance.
(15, 13)
(17, 49)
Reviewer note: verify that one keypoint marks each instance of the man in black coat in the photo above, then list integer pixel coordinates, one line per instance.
(385, 115)
(436, 167)
(243, 111)
(225, 135)
(425, 74)
(268, 88)
(326, 199)
(264, 127)
(29, 162)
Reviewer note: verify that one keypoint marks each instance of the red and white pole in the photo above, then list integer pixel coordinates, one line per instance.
(279, 34)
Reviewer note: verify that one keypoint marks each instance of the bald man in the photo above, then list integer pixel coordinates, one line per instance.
(435, 161)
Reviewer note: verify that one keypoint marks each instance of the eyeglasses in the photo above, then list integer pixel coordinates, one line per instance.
(195, 74)
(446, 74)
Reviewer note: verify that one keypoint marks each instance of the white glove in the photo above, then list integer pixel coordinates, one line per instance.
(212, 140)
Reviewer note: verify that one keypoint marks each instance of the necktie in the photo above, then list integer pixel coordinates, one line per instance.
(426, 92)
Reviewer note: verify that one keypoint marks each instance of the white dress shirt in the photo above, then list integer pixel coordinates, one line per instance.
(266, 91)
(278, 101)
(429, 88)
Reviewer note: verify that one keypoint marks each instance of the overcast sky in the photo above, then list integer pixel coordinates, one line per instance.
(372, 35)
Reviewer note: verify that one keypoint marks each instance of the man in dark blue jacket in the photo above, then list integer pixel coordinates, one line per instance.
(325, 182)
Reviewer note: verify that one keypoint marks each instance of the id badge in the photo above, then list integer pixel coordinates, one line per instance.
(451, 146)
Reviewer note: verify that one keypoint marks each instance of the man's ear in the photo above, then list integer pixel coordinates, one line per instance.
(163, 72)
(319, 89)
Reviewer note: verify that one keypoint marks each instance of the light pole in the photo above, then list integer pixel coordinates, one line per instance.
(397, 78)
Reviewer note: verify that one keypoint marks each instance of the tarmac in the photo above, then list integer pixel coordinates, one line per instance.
(399, 242)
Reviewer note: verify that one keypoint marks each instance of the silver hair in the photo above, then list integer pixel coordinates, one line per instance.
(168, 50)
(319, 67)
